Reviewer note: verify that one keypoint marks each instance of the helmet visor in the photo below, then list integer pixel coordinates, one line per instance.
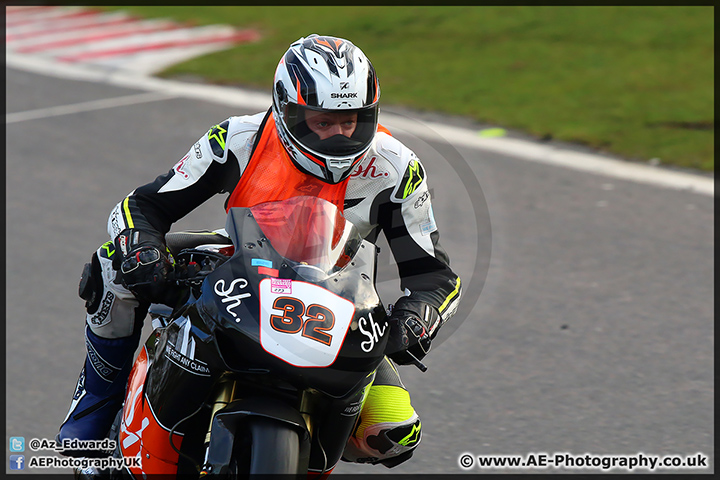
(335, 133)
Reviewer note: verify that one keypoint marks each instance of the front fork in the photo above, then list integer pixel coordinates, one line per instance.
(225, 394)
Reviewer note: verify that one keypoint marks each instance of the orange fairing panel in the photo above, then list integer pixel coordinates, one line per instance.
(140, 432)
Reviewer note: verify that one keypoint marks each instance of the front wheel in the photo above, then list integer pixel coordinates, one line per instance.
(274, 448)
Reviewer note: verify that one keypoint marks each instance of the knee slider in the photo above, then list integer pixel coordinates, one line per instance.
(395, 461)
(91, 284)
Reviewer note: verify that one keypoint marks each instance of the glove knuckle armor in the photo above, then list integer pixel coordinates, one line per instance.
(143, 264)
(411, 322)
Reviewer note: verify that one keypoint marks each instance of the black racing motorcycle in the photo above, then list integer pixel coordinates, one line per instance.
(264, 365)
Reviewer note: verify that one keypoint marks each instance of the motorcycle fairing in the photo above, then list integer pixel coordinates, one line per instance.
(233, 305)
(172, 376)
(141, 435)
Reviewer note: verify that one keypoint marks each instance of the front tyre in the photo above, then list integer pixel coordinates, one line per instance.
(275, 448)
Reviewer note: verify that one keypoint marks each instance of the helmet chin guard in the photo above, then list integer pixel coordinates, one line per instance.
(327, 75)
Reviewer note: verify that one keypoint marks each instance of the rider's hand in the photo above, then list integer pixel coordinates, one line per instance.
(143, 264)
(411, 323)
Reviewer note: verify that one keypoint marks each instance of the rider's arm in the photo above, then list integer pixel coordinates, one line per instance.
(211, 166)
(407, 220)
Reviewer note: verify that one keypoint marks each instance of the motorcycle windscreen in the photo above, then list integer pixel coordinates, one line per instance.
(310, 232)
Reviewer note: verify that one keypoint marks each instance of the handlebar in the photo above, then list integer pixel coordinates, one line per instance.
(188, 272)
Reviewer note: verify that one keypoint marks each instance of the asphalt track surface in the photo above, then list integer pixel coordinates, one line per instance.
(587, 322)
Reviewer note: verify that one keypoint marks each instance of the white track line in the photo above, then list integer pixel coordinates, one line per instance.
(86, 106)
(530, 151)
(586, 162)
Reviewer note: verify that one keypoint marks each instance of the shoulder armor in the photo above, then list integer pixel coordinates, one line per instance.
(217, 137)
(411, 174)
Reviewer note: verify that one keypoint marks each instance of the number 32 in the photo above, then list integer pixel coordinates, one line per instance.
(319, 319)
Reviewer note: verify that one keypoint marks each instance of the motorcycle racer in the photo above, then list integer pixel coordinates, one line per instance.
(320, 137)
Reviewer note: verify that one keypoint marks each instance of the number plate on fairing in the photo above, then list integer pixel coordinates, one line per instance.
(305, 327)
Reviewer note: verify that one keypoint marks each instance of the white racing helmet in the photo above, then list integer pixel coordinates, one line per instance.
(325, 74)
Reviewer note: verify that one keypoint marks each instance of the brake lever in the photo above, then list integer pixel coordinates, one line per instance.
(414, 360)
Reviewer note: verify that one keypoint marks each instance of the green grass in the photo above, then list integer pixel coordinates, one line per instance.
(632, 81)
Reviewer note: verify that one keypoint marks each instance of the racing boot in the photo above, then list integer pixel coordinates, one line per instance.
(100, 391)
(388, 443)
(388, 429)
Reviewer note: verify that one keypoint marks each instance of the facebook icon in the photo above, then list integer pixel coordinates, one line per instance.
(17, 462)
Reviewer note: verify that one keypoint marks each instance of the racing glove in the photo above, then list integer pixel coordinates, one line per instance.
(413, 323)
(143, 265)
